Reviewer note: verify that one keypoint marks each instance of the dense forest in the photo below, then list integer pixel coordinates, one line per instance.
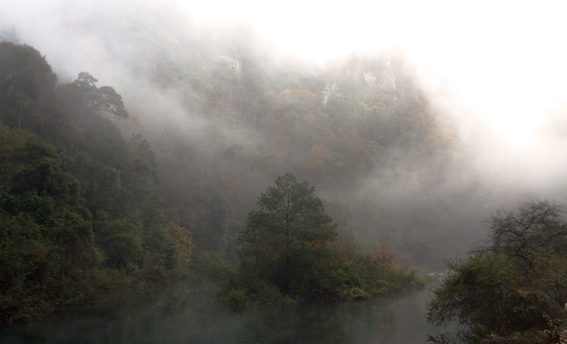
(87, 210)
(162, 175)
(226, 114)
(83, 210)
(78, 201)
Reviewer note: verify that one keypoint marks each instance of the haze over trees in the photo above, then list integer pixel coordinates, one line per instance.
(290, 252)
(84, 211)
(77, 201)
(229, 117)
(153, 178)
(288, 236)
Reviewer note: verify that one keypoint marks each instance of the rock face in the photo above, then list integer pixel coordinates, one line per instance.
(374, 72)
(231, 63)
(370, 78)
(388, 82)
(328, 92)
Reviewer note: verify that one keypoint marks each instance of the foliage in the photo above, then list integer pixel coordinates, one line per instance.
(208, 265)
(487, 291)
(23, 72)
(526, 233)
(516, 282)
(344, 128)
(46, 241)
(255, 291)
(288, 235)
(104, 98)
(366, 135)
(182, 239)
(289, 249)
(80, 213)
(26, 83)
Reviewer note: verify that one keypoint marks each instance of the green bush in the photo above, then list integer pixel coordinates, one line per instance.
(235, 298)
(208, 266)
(489, 291)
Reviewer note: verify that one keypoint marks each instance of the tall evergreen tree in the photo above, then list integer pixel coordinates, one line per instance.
(289, 237)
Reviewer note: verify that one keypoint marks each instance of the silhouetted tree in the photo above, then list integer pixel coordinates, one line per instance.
(525, 232)
(23, 71)
(103, 98)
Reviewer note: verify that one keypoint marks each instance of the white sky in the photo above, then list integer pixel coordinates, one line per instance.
(506, 59)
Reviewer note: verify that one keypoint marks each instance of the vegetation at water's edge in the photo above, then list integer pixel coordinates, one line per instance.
(151, 181)
(80, 212)
(290, 252)
(515, 286)
(83, 214)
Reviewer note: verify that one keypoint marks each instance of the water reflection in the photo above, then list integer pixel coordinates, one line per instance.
(191, 316)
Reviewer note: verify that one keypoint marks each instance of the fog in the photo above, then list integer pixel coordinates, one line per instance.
(493, 71)
(492, 54)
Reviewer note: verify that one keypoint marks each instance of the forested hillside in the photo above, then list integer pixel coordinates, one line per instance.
(225, 114)
(79, 205)
(151, 179)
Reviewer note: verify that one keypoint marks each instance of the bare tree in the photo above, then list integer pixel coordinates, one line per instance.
(525, 232)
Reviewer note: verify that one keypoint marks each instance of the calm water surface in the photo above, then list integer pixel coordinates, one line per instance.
(191, 316)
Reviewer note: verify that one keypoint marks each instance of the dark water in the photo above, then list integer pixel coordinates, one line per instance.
(191, 316)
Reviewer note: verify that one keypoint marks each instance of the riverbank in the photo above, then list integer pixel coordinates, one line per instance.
(190, 314)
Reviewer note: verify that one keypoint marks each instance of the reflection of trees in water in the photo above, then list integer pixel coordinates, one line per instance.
(191, 316)
(294, 324)
(371, 321)
(390, 319)
(396, 319)
(366, 321)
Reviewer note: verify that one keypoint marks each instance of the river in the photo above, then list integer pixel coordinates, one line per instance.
(190, 316)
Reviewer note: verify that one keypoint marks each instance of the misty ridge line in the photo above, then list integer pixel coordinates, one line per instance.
(165, 73)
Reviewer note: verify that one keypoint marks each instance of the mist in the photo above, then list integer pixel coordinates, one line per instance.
(492, 84)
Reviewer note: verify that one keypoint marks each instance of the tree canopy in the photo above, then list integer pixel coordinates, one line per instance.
(523, 234)
(341, 128)
(288, 235)
(516, 281)
(23, 71)
(79, 208)
(289, 252)
(102, 98)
